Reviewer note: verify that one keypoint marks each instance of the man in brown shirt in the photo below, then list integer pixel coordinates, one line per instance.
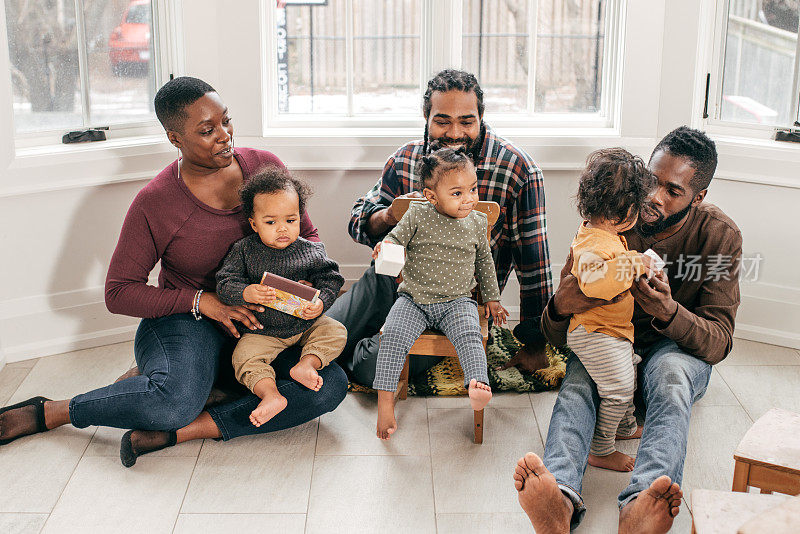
(683, 324)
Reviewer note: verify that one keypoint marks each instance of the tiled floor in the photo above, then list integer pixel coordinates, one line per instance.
(333, 475)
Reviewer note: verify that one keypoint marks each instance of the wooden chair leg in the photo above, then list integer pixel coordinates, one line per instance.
(478, 426)
(403, 386)
(741, 473)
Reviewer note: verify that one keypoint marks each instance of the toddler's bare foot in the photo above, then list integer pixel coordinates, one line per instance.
(540, 497)
(306, 373)
(387, 424)
(479, 394)
(269, 407)
(616, 461)
(653, 510)
(636, 435)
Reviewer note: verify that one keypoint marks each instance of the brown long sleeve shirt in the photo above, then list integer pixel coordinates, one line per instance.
(703, 260)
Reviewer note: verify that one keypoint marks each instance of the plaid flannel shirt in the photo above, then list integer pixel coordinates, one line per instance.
(506, 175)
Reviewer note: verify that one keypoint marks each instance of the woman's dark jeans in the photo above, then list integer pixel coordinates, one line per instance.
(179, 359)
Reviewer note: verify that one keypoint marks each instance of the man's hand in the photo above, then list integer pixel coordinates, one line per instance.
(312, 311)
(654, 296)
(569, 299)
(259, 294)
(392, 218)
(497, 312)
(213, 308)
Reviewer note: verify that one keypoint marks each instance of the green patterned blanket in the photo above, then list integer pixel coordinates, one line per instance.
(446, 377)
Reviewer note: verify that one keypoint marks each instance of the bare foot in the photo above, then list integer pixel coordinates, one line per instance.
(653, 510)
(636, 435)
(133, 371)
(269, 407)
(387, 424)
(616, 461)
(479, 394)
(549, 510)
(305, 372)
(272, 402)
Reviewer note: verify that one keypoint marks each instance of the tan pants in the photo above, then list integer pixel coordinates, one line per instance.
(253, 354)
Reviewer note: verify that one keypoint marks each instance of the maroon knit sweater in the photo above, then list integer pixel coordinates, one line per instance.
(167, 222)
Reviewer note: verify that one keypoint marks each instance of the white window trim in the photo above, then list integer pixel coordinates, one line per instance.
(747, 153)
(715, 65)
(167, 44)
(441, 48)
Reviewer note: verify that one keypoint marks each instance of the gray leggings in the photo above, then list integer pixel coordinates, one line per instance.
(457, 319)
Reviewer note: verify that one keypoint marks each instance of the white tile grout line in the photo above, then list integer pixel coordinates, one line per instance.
(188, 483)
(311, 478)
(71, 475)
(430, 463)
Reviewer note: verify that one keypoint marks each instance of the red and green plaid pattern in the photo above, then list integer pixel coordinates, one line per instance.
(506, 175)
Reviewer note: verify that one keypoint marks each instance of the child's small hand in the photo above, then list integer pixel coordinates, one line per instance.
(497, 312)
(312, 311)
(259, 294)
(376, 250)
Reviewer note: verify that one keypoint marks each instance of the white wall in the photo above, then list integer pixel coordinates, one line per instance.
(60, 212)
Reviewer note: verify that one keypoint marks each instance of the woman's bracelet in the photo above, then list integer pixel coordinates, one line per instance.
(196, 305)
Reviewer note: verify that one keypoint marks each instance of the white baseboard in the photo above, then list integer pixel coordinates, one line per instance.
(38, 326)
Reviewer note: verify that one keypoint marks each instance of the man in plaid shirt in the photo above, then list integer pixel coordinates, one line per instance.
(453, 110)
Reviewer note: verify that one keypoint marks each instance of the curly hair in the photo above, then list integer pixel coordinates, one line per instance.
(449, 80)
(695, 146)
(271, 179)
(614, 184)
(171, 100)
(441, 161)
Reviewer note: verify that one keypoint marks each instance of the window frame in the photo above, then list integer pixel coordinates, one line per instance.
(168, 59)
(440, 47)
(727, 129)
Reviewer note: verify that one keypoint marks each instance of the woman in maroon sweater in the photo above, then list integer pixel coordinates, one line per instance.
(187, 218)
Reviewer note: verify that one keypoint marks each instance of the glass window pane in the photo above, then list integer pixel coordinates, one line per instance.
(760, 45)
(312, 67)
(495, 48)
(120, 57)
(386, 57)
(43, 47)
(569, 55)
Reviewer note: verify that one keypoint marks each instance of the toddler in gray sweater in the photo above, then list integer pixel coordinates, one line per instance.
(446, 248)
(273, 202)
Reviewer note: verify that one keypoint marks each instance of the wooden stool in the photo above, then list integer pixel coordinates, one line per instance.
(768, 457)
(723, 512)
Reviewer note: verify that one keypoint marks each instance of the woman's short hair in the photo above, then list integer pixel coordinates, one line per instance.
(614, 185)
(272, 179)
(440, 161)
(173, 97)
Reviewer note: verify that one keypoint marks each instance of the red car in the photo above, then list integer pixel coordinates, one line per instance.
(129, 43)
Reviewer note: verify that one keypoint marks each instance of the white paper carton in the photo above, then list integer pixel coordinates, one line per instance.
(391, 259)
(659, 263)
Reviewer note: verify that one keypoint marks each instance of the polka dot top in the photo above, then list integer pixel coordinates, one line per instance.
(444, 255)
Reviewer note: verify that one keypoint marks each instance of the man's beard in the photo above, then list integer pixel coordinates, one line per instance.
(661, 224)
(471, 146)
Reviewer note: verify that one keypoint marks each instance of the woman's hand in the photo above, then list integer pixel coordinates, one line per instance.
(497, 312)
(259, 294)
(213, 308)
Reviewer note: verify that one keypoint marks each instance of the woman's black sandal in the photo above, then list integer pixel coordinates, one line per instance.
(127, 453)
(38, 406)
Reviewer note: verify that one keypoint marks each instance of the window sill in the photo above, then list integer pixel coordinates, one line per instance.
(758, 161)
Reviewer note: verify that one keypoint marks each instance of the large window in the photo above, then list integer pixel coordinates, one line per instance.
(756, 80)
(81, 63)
(362, 58)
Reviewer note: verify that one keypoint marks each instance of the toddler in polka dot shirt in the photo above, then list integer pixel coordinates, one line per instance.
(446, 249)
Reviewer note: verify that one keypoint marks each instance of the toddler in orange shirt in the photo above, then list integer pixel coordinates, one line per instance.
(613, 188)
